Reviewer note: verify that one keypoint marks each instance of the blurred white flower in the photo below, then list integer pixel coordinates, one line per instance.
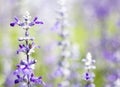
(117, 83)
(89, 62)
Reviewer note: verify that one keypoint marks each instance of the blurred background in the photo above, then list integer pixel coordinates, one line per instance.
(93, 24)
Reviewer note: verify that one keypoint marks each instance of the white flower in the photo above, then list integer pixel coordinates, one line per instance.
(117, 83)
(26, 38)
(89, 62)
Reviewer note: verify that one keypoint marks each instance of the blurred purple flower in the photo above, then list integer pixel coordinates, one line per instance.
(113, 79)
(111, 50)
(102, 9)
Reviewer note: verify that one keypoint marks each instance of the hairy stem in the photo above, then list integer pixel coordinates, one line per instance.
(27, 44)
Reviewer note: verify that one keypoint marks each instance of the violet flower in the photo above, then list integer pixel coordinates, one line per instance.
(24, 72)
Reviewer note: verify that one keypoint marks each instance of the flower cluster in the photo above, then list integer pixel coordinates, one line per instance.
(24, 72)
(89, 65)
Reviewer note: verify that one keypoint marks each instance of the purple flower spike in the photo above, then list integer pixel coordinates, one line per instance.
(24, 72)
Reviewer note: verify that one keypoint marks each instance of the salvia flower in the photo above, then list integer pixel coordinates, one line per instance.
(24, 72)
(89, 66)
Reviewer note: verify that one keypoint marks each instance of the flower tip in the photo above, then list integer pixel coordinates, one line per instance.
(39, 22)
(40, 77)
(12, 24)
(35, 18)
(16, 81)
(42, 22)
(17, 52)
(16, 19)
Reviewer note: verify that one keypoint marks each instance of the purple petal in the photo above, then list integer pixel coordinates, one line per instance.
(33, 43)
(26, 33)
(17, 51)
(22, 62)
(38, 22)
(37, 47)
(16, 19)
(16, 81)
(32, 75)
(12, 24)
(87, 74)
(18, 65)
(35, 19)
(18, 76)
(21, 45)
(31, 79)
(31, 38)
(31, 24)
(32, 62)
(40, 77)
(21, 24)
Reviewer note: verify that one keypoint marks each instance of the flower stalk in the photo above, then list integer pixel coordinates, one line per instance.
(24, 71)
